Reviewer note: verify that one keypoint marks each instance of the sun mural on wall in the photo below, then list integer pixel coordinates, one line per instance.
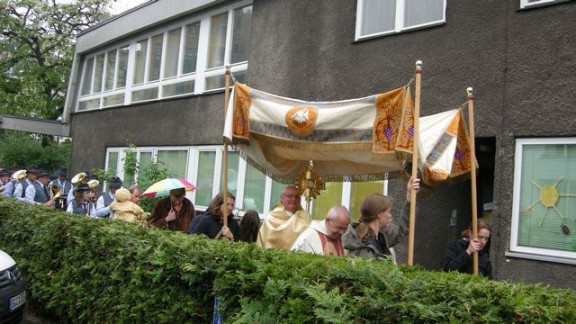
(549, 196)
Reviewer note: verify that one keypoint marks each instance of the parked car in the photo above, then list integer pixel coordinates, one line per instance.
(12, 290)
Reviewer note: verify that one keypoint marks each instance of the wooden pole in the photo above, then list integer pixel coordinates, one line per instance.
(470, 101)
(224, 207)
(415, 141)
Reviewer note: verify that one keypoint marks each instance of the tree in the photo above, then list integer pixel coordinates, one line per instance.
(36, 49)
(21, 152)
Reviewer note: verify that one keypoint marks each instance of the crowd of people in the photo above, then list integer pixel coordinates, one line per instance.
(286, 227)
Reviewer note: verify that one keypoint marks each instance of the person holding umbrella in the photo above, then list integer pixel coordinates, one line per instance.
(174, 212)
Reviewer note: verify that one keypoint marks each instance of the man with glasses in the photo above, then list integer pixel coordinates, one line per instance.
(325, 237)
(285, 223)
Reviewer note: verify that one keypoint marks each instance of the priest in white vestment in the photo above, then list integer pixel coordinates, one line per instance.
(284, 224)
(325, 237)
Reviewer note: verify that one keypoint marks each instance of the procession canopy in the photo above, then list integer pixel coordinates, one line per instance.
(444, 146)
(351, 140)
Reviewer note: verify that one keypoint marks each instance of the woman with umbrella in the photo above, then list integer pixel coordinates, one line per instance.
(174, 212)
(212, 225)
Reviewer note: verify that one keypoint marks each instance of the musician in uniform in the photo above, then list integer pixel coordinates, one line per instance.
(22, 185)
(62, 183)
(5, 181)
(104, 201)
(80, 178)
(36, 192)
(81, 204)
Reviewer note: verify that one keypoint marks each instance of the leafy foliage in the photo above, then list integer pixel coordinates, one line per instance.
(22, 151)
(149, 175)
(36, 49)
(94, 271)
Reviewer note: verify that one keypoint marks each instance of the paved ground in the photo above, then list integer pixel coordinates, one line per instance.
(30, 317)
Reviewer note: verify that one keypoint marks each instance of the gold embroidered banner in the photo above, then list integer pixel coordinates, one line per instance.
(357, 139)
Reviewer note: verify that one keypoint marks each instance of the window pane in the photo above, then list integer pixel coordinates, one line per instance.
(241, 37)
(146, 94)
(155, 58)
(419, 12)
(548, 184)
(144, 162)
(175, 162)
(254, 186)
(89, 104)
(172, 51)
(192, 33)
(277, 188)
(110, 70)
(359, 191)
(328, 198)
(98, 74)
(114, 100)
(112, 163)
(378, 16)
(217, 43)
(215, 82)
(206, 162)
(233, 159)
(122, 67)
(178, 88)
(87, 80)
(140, 64)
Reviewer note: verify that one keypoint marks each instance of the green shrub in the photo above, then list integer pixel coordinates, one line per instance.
(98, 271)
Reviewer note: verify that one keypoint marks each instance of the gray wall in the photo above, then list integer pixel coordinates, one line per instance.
(197, 120)
(521, 64)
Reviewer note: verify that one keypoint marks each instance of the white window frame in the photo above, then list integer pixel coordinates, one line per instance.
(530, 252)
(399, 21)
(527, 4)
(199, 77)
(192, 174)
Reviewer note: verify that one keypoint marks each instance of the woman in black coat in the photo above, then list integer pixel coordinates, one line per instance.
(458, 255)
(212, 224)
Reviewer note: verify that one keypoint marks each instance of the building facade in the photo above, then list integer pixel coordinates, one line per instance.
(154, 78)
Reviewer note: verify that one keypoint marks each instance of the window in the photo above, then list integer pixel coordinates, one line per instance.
(531, 3)
(179, 59)
(383, 17)
(328, 198)
(202, 166)
(544, 206)
(175, 161)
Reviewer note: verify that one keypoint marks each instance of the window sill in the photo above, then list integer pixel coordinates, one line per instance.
(406, 31)
(540, 5)
(539, 257)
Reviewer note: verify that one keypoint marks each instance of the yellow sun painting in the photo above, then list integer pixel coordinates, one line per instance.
(548, 198)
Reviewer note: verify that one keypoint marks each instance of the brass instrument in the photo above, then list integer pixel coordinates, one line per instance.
(19, 175)
(79, 178)
(55, 196)
(93, 184)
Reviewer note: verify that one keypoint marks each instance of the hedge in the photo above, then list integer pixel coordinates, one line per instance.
(97, 271)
